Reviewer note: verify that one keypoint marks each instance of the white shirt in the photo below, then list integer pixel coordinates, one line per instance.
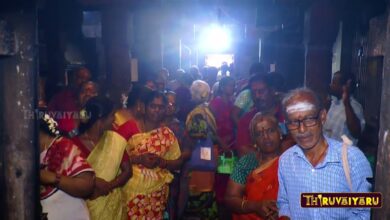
(336, 120)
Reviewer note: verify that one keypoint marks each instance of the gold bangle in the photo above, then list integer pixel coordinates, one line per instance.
(243, 203)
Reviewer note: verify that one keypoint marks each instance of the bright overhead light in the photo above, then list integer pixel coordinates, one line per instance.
(215, 38)
(216, 59)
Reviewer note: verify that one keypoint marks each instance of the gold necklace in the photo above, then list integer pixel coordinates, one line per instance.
(315, 163)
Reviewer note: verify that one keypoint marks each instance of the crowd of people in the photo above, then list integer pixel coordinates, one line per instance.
(159, 154)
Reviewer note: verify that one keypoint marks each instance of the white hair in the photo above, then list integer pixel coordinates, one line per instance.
(200, 91)
(305, 104)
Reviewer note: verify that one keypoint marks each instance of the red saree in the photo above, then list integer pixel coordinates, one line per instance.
(63, 157)
(84, 151)
(262, 184)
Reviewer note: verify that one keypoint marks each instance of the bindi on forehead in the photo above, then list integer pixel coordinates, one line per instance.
(300, 107)
(264, 124)
(261, 125)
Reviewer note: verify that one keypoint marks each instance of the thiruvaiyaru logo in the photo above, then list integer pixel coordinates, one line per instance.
(337, 200)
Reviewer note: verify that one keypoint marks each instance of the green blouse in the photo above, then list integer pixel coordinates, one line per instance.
(243, 168)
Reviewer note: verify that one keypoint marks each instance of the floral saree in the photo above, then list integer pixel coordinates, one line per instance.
(147, 191)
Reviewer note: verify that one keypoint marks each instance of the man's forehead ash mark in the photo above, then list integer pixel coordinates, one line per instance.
(300, 107)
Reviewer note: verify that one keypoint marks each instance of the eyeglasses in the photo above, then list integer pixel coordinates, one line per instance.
(307, 122)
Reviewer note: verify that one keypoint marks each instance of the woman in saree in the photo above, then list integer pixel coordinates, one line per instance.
(66, 177)
(105, 151)
(222, 107)
(178, 129)
(198, 186)
(154, 153)
(253, 186)
(135, 108)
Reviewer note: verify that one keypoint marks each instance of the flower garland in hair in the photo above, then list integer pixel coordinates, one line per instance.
(51, 123)
(84, 116)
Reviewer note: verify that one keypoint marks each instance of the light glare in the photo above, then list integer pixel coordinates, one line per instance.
(215, 38)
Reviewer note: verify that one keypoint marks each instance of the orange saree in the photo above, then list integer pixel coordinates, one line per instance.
(261, 184)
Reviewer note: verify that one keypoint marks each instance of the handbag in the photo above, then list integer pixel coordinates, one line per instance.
(203, 156)
(226, 164)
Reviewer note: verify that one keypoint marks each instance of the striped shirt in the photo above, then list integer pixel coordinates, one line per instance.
(297, 175)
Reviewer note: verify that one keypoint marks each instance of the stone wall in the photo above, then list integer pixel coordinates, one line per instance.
(382, 179)
(377, 36)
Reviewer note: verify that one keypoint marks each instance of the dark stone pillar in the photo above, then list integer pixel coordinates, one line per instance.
(18, 143)
(321, 26)
(54, 44)
(147, 38)
(115, 38)
(348, 32)
(382, 176)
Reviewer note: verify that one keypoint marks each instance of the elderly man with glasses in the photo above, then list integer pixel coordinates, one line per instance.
(314, 164)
